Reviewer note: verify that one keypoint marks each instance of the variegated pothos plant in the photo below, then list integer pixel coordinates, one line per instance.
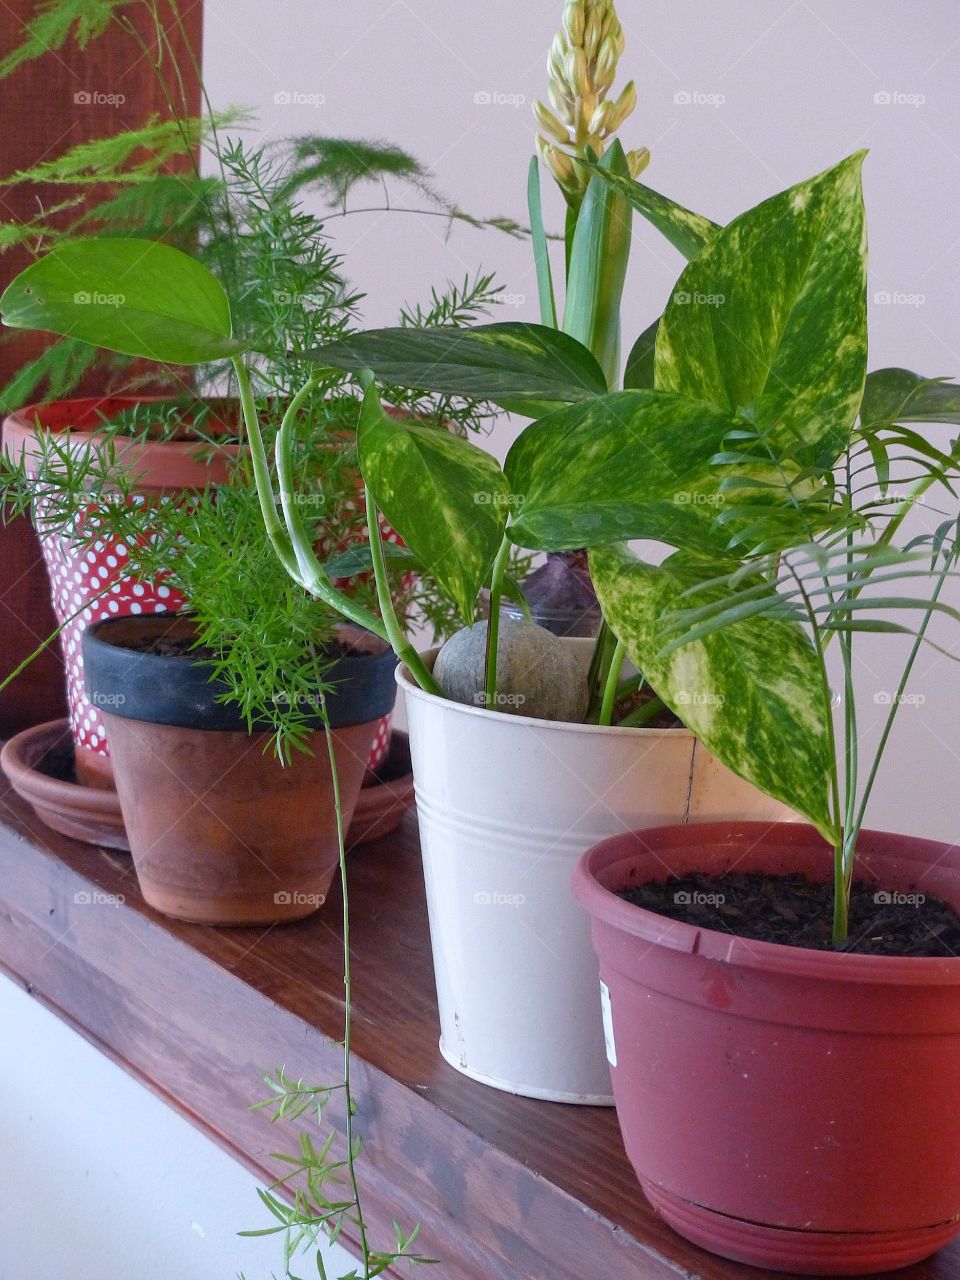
(747, 439)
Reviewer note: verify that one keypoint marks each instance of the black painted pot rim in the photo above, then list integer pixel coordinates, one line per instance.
(176, 689)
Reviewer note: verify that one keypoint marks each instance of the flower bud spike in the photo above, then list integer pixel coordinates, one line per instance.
(638, 161)
(574, 22)
(550, 125)
(623, 107)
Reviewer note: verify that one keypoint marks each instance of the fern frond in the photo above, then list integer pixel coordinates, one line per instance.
(56, 22)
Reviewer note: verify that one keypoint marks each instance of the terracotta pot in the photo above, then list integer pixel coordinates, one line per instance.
(162, 471)
(788, 1108)
(220, 832)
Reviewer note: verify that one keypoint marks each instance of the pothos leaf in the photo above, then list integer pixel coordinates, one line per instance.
(446, 498)
(751, 692)
(769, 320)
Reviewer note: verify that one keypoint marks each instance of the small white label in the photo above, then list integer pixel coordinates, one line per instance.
(608, 1024)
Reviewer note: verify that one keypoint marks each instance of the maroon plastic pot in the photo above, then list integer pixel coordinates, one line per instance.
(789, 1108)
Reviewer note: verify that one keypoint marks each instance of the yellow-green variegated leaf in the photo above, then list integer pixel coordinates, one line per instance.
(633, 464)
(445, 497)
(751, 691)
(769, 320)
(524, 367)
(688, 232)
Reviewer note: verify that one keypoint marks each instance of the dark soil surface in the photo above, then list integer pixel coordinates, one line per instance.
(181, 646)
(795, 912)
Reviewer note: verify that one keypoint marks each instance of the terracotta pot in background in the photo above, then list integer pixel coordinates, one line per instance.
(785, 1107)
(162, 470)
(220, 832)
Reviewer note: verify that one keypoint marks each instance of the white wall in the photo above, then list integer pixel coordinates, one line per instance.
(798, 81)
(103, 1181)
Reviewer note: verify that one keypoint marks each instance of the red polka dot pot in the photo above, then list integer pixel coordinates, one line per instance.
(90, 583)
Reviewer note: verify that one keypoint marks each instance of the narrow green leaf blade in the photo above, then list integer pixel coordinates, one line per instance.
(445, 497)
(541, 249)
(769, 321)
(688, 232)
(136, 297)
(599, 257)
(751, 692)
(633, 464)
(524, 366)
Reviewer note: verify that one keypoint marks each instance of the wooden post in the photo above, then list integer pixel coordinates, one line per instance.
(46, 106)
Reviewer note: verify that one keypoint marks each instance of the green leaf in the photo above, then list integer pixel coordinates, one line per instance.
(633, 464)
(687, 232)
(897, 395)
(526, 367)
(541, 249)
(135, 297)
(446, 498)
(358, 559)
(639, 374)
(599, 257)
(751, 692)
(769, 321)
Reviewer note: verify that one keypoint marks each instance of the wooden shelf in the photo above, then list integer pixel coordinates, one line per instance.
(505, 1187)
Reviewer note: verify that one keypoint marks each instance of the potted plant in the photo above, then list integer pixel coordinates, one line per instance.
(570, 480)
(246, 223)
(222, 831)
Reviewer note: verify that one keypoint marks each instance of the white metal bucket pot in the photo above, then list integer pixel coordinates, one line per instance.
(506, 806)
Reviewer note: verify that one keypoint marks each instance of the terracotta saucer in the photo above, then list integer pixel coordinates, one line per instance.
(39, 764)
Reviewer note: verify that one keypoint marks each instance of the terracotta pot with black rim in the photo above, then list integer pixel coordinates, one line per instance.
(92, 583)
(785, 1107)
(220, 831)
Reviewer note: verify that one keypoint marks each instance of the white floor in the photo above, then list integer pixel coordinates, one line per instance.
(99, 1180)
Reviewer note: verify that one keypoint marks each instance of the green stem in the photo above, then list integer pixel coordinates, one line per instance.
(291, 541)
(644, 713)
(493, 624)
(276, 532)
(610, 686)
(394, 632)
(347, 992)
(840, 903)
